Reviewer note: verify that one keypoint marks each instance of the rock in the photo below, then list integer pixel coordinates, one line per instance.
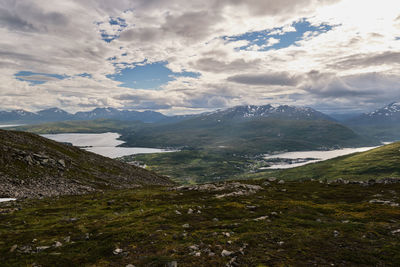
(197, 254)
(186, 225)
(251, 207)
(281, 182)
(172, 264)
(266, 184)
(260, 218)
(226, 253)
(194, 247)
(13, 248)
(211, 254)
(178, 212)
(215, 220)
(57, 244)
(395, 232)
(117, 251)
(336, 233)
(41, 248)
(274, 213)
(271, 179)
(130, 265)
(67, 239)
(190, 211)
(280, 243)
(62, 163)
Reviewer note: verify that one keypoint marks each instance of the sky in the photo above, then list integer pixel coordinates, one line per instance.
(180, 57)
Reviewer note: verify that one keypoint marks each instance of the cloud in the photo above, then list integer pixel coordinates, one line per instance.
(353, 64)
(277, 78)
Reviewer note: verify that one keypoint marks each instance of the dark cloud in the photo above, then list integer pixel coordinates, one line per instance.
(27, 16)
(361, 86)
(366, 60)
(277, 78)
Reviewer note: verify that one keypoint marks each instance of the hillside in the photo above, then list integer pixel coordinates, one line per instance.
(379, 163)
(32, 166)
(252, 223)
(258, 135)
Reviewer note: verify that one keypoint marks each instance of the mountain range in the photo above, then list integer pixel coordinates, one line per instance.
(56, 114)
(383, 123)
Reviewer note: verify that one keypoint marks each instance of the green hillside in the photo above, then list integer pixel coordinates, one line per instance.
(382, 162)
(291, 224)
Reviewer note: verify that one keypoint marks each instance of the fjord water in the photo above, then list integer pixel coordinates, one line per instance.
(7, 199)
(316, 156)
(105, 144)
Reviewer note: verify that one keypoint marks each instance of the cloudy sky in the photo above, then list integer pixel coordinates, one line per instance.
(178, 56)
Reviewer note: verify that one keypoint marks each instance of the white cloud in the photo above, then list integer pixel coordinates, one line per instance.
(63, 37)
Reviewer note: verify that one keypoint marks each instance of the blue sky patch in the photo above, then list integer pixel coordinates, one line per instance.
(280, 39)
(148, 76)
(36, 78)
(110, 36)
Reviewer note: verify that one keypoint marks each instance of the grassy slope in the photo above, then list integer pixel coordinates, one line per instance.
(144, 224)
(382, 162)
(190, 166)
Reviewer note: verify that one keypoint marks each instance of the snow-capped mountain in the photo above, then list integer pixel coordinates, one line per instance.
(54, 114)
(385, 115)
(268, 111)
(57, 114)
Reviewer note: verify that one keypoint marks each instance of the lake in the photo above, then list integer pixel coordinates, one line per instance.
(300, 158)
(9, 125)
(7, 199)
(105, 144)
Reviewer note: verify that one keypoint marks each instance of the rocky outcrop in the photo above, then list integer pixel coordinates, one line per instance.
(33, 166)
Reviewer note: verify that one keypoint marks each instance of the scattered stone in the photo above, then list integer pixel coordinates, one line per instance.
(41, 248)
(197, 254)
(260, 218)
(266, 184)
(226, 253)
(172, 264)
(274, 213)
(57, 244)
(178, 212)
(251, 207)
(281, 182)
(67, 239)
(215, 220)
(117, 251)
(272, 179)
(211, 254)
(336, 233)
(190, 211)
(186, 225)
(130, 265)
(396, 232)
(280, 243)
(13, 248)
(194, 247)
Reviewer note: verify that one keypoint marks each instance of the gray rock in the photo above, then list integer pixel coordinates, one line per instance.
(13, 248)
(117, 251)
(172, 264)
(186, 225)
(336, 233)
(57, 244)
(41, 248)
(226, 253)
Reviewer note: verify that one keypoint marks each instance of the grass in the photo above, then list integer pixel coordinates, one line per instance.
(197, 166)
(382, 162)
(144, 224)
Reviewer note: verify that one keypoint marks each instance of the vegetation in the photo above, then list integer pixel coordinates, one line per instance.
(194, 166)
(153, 226)
(382, 162)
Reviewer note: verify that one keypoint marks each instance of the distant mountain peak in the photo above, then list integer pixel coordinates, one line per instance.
(247, 112)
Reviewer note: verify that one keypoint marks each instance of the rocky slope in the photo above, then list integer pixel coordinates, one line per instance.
(33, 166)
